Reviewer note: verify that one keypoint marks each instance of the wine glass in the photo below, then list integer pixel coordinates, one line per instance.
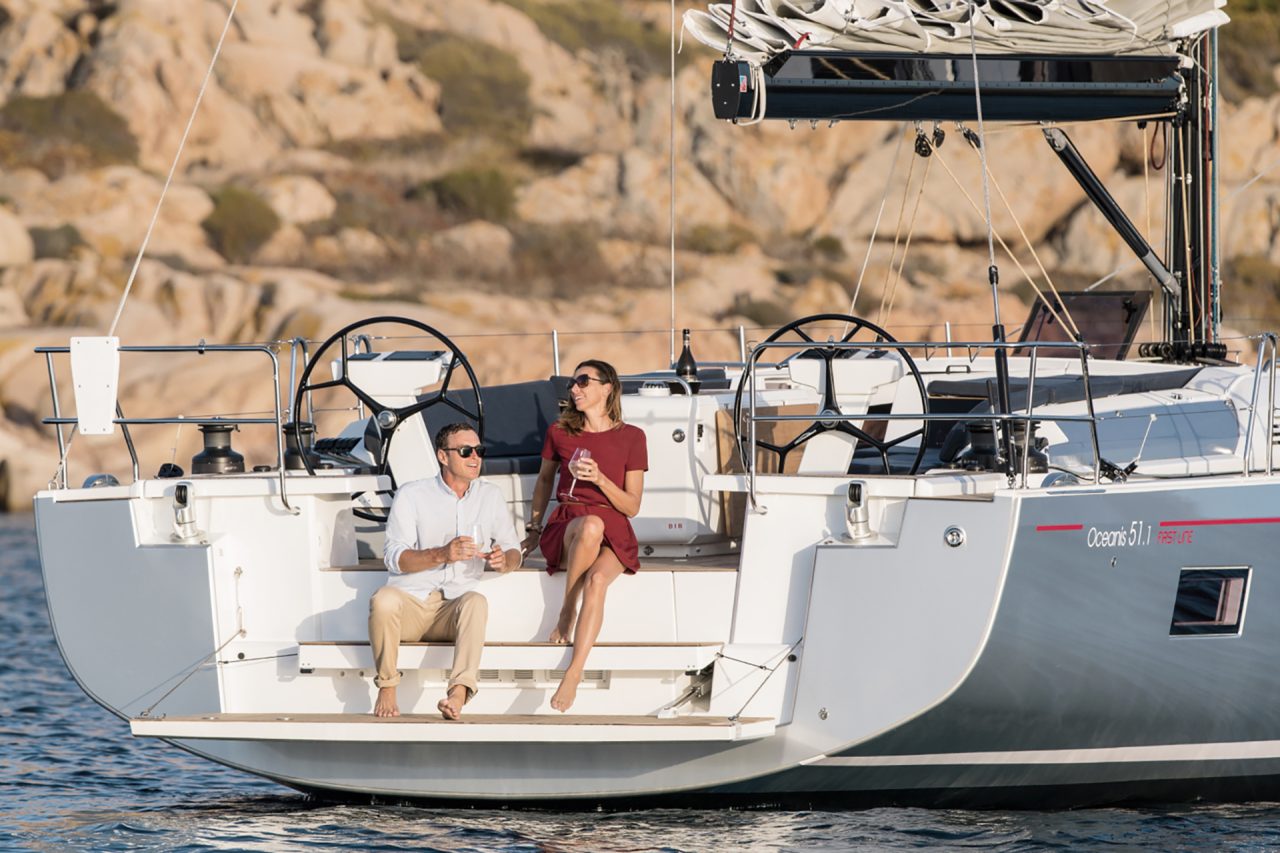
(579, 454)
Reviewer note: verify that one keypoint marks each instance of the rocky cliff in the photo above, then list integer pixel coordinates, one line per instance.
(491, 168)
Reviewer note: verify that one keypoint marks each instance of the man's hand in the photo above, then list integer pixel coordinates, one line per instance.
(460, 548)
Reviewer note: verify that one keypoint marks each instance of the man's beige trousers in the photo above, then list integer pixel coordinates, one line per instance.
(396, 616)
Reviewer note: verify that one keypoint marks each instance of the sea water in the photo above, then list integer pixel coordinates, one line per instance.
(72, 777)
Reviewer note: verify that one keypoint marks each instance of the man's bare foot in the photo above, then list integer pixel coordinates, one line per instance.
(386, 705)
(563, 632)
(566, 692)
(450, 706)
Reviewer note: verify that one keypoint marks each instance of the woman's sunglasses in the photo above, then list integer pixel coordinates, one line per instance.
(582, 380)
(466, 450)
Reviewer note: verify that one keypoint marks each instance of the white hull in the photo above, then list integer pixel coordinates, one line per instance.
(1037, 654)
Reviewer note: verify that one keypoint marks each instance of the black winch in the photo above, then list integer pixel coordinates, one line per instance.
(217, 456)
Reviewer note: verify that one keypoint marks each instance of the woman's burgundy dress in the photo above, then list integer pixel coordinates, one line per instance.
(616, 452)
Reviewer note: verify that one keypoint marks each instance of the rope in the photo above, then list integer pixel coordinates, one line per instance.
(1031, 248)
(1040, 293)
(259, 658)
(733, 15)
(759, 99)
(173, 168)
(1018, 126)
(871, 242)
(147, 711)
(885, 311)
(897, 237)
(785, 655)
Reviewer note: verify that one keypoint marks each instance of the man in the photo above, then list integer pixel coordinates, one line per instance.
(441, 534)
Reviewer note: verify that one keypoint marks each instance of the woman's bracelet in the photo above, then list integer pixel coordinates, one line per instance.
(532, 527)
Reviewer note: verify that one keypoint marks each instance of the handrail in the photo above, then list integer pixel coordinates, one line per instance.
(201, 348)
(1268, 342)
(128, 442)
(1079, 347)
(296, 345)
(59, 476)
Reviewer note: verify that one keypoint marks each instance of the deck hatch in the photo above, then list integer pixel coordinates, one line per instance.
(1209, 602)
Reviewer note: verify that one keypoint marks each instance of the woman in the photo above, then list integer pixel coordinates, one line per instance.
(588, 536)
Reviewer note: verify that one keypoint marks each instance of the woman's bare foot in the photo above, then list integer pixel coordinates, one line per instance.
(563, 632)
(386, 705)
(566, 692)
(450, 706)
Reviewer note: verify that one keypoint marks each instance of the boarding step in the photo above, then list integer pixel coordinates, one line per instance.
(635, 657)
(477, 728)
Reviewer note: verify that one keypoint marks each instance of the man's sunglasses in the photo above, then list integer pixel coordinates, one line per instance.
(582, 380)
(466, 450)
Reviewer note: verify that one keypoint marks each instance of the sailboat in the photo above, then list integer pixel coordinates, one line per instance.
(1029, 571)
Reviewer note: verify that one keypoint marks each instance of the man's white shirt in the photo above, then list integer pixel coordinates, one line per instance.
(428, 514)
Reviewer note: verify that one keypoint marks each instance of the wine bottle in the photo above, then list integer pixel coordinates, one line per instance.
(686, 367)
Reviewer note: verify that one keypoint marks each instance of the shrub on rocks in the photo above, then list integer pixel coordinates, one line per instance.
(241, 222)
(472, 194)
(63, 133)
(483, 90)
(595, 24)
(716, 240)
(58, 242)
(1249, 49)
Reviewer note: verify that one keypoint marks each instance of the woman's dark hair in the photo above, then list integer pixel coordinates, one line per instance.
(572, 421)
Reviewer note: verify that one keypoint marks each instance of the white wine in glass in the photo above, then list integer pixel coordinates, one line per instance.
(579, 454)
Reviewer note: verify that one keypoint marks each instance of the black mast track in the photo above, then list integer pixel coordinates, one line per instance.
(835, 85)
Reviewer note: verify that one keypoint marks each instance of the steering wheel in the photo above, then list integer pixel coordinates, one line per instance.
(829, 417)
(387, 418)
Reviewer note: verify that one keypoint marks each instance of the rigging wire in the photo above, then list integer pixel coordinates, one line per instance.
(61, 470)
(871, 242)
(897, 237)
(1031, 248)
(671, 178)
(886, 310)
(173, 168)
(783, 658)
(1031, 281)
(146, 712)
(992, 272)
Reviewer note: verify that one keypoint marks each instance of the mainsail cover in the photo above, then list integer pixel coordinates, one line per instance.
(764, 28)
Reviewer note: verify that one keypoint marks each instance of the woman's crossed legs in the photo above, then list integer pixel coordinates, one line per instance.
(583, 541)
(595, 583)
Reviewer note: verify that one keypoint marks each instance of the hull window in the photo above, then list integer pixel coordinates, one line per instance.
(1209, 601)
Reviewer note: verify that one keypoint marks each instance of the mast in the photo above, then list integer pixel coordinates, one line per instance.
(1193, 229)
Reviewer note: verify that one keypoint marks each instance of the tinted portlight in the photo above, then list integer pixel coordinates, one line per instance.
(1209, 601)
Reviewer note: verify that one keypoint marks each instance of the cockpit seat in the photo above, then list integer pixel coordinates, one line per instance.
(516, 418)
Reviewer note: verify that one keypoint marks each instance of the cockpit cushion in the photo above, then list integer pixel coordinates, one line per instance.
(516, 418)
